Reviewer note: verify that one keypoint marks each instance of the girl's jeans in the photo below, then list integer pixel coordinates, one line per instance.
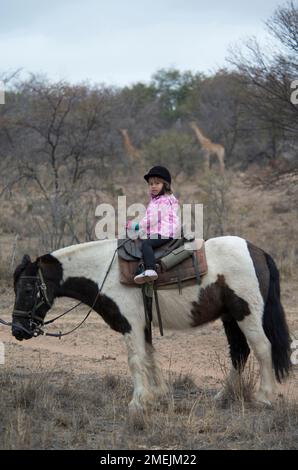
(147, 248)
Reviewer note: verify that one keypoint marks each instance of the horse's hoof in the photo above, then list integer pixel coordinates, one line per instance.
(136, 415)
(262, 398)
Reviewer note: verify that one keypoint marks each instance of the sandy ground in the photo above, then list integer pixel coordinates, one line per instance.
(95, 348)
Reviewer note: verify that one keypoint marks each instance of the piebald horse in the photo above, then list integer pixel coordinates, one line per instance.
(241, 287)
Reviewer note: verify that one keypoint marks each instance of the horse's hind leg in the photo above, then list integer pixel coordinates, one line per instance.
(239, 352)
(252, 328)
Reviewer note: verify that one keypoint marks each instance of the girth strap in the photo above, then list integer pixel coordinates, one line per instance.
(158, 310)
(147, 292)
(147, 300)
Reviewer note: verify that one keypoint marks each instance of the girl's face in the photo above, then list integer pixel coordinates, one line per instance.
(155, 185)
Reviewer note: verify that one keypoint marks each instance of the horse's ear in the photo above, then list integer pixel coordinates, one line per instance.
(26, 259)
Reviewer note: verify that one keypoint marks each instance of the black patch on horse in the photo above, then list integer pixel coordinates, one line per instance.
(218, 300)
(233, 305)
(51, 268)
(239, 349)
(86, 290)
(261, 268)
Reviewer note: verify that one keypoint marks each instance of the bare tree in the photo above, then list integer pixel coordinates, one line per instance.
(268, 75)
(268, 78)
(59, 133)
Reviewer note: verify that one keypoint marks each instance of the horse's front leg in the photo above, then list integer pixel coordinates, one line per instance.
(147, 378)
(140, 367)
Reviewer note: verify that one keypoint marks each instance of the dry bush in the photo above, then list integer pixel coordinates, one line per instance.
(243, 389)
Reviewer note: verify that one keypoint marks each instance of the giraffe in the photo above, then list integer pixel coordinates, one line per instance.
(209, 148)
(132, 152)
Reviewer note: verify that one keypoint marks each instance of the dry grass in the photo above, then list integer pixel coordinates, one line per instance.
(5, 271)
(53, 410)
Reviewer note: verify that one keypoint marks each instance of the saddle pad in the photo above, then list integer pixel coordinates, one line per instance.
(183, 272)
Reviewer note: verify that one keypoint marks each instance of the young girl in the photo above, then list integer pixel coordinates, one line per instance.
(161, 222)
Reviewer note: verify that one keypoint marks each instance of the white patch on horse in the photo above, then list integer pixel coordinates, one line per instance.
(230, 257)
(89, 260)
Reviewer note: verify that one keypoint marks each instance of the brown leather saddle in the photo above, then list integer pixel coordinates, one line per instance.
(131, 250)
(189, 270)
(176, 267)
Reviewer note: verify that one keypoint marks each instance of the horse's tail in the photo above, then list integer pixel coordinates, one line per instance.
(275, 324)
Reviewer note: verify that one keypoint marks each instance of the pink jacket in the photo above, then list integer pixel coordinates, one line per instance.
(161, 216)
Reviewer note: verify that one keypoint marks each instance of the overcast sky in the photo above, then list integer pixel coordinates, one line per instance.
(124, 41)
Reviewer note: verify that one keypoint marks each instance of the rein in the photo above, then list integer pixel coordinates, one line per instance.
(42, 292)
(59, 335)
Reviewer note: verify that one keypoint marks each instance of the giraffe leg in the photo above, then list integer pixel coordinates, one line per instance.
(220, 157)
(206, 160)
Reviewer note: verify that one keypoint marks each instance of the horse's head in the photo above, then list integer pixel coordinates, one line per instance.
(34, 296)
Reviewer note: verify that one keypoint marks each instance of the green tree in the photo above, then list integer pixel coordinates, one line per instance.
(173, 89)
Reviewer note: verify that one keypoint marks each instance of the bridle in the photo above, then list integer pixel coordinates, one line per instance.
(41, 298)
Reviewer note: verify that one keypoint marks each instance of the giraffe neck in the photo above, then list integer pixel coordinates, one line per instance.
(128, 145)
(200, 136)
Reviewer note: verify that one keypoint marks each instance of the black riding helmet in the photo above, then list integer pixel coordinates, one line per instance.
(160, 171)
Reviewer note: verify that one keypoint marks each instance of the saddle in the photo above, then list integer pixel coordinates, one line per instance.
(175, 265)
(131, 250)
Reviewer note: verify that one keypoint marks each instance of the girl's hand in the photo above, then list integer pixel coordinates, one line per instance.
(132, 230)
(132, 225)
